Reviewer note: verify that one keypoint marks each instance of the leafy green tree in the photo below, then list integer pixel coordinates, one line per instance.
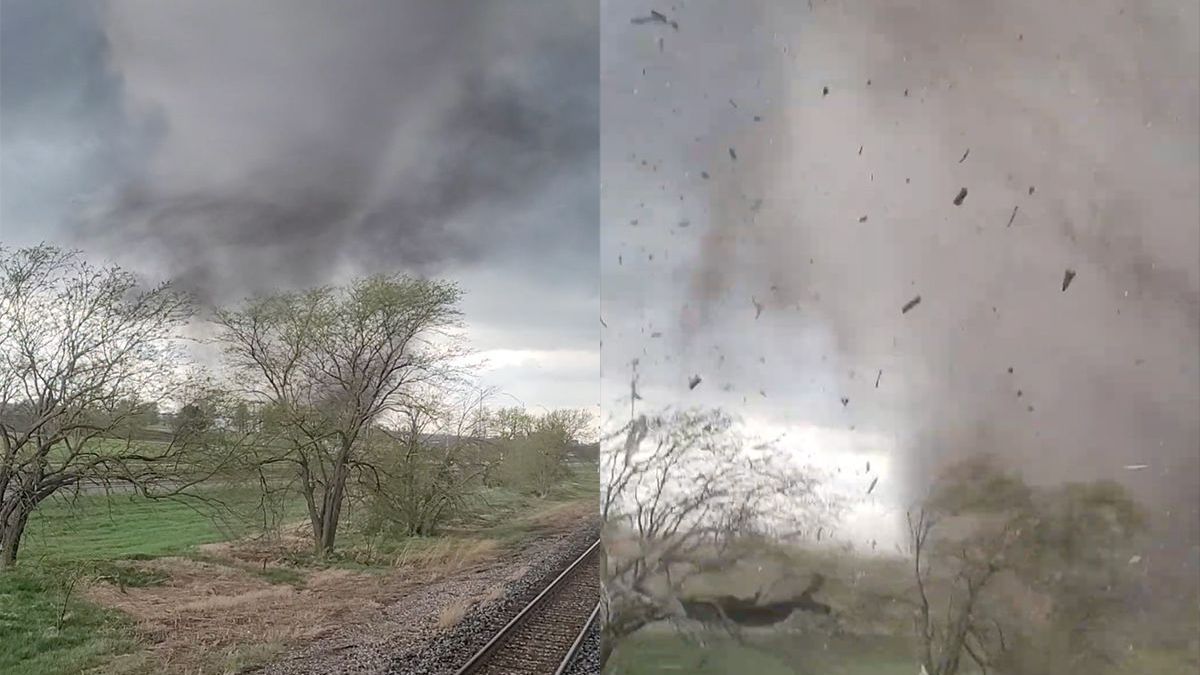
(328, 364)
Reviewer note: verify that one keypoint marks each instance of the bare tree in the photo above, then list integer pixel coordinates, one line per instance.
(328, 363)
(1015, 578)
(84, 353)
(678, 493)
(427, 464)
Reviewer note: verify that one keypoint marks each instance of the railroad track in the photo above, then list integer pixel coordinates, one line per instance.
(544, 637)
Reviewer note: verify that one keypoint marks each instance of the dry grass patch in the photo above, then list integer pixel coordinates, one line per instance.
(203, 618)
(451, 614)
(563, 515)
(430, 561)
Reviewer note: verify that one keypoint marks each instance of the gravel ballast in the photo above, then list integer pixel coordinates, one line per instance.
(407, 640)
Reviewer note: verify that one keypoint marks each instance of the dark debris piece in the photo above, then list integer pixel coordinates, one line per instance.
(655, 17)
(1030, 189)
(1012, 217)
(704, 175)
(962, 195)
(860, 150)
(845, 401)
(733, 154)
(862, 219)
(757, 118)
(1067, 277)
(910, 304)
(871, 487)
(964, 157)
(877, 376)
(685, 223)
(824, 91)
(758, 308)
(656, 334)
(733, 103)
(693, 382)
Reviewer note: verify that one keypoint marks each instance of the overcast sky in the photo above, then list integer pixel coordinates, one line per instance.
(780, 278)
(237, 147)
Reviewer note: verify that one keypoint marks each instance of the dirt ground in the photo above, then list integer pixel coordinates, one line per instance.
(239, 605)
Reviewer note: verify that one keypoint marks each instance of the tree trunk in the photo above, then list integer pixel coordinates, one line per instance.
(332, 510)
(310, 501)
(11, 531)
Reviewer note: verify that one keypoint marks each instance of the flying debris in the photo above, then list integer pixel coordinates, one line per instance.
(877, 376)
(685, 223)
(868, 466)
(845, 401)
(733, 154)
(871, 488)
(1136, 467)
(602, 322)
(862, 219)
(964, 157)
(733, 103)
(757, 118)
(656, 334)
(693, 382)
(1067, 277)
(758, 307)
(910, 304)
(1030, 189)
(655, 17)
(824, 91)
(704, 175)
(1012, 217)
(962, 194)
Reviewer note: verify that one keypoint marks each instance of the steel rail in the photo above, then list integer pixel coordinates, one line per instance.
(481, 657)
(574, 650)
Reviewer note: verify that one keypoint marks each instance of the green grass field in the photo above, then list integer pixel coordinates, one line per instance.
(92, 534)
(107, 527)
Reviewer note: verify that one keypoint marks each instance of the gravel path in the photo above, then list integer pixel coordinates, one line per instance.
(406, 638)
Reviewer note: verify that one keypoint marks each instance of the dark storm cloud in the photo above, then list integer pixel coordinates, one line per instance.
(241, 147)
(64, 131)
(303, 140)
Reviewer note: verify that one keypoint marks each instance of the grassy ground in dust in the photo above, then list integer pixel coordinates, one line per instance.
(863, 593)
(180, 592)
(661, 652)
